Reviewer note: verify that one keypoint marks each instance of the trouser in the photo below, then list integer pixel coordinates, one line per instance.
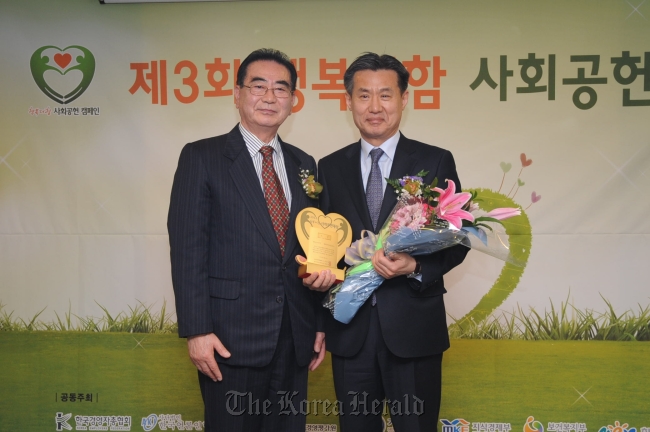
(265, 399)
(411, 387)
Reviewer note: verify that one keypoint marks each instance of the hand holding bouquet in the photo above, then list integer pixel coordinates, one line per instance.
(426, 219)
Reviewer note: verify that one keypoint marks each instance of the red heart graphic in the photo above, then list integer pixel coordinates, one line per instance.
(62, 59)
(534, 197)
(525, 162)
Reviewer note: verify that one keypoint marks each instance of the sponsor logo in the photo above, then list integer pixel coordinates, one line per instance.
(93, 423)
(62, 74)
(461, 425)
(170, 422)
(62, 421)
(533, 425)
(457, 425)
(617, 427)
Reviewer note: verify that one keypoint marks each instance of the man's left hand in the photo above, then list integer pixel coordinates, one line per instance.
(319, 351)
(319, 281)
(397, 264)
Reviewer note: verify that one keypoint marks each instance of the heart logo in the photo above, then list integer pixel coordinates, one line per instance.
(72, 58)
(525, 162)
(520, 182)
(325, 221)
(505, 167)
(62, 59)
(534, 197)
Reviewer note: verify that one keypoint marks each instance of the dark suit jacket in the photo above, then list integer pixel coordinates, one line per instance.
(228, 274)
(412, 314)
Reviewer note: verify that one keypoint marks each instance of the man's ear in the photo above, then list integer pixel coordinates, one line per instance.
(405, 99)
(293, 102)
(237, 89)
(348, 101)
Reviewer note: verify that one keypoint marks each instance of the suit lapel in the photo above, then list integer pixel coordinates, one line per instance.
(299, 199)
(403, 164)
(244, 177)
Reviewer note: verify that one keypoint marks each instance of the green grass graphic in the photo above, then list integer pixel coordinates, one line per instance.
(133, 374)
(483, 380)
(506, 381)
(139, 319)
(564, 323)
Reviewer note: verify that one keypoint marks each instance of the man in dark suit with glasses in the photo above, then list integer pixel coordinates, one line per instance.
(249, 322)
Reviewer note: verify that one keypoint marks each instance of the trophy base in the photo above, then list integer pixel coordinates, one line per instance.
(306, 270)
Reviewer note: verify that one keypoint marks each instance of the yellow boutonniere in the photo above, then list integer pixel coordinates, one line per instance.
(311, 187)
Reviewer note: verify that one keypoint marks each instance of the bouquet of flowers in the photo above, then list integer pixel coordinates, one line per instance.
(426, 219)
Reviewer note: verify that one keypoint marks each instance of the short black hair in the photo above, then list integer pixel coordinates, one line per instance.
(268, 54)
(375, 62)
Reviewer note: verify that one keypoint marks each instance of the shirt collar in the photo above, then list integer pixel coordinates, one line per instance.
(254, 144)
(389, 146)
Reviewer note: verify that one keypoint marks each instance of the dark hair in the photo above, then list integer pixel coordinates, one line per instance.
(269, 54)
(375, 62)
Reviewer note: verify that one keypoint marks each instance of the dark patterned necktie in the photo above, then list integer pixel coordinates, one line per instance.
(374, 195)
(374, 189)
(275, 199)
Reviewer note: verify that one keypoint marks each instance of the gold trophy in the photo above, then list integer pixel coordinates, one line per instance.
(324, 238)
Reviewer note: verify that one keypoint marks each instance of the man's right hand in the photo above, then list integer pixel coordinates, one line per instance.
(201, 349)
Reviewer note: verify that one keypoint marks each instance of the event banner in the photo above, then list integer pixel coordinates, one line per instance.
(544, 105)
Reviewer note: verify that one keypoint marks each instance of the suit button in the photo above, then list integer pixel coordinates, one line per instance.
(278, 299)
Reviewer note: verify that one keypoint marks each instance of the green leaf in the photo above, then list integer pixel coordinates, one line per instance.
(488, 219)
(394, 183)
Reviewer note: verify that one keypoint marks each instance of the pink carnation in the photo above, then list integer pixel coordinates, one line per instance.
(413, 216)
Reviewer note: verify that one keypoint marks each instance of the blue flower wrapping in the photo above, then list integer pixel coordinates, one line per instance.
(346, 298)
(423, 241)
(361, 280)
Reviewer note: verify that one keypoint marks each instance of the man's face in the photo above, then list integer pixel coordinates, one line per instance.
(263, 115)
(376, 104)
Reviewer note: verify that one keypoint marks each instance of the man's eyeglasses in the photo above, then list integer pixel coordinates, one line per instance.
(260, 90)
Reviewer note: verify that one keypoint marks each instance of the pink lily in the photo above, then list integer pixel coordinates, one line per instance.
(504, 213)
(450, 205)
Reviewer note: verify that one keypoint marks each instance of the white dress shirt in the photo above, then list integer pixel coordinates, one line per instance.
(385, 162)
(254, 144)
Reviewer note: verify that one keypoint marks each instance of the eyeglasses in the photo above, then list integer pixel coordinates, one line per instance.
(260, 90)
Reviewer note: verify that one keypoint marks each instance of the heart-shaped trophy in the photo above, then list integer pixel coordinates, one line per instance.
(324, 238)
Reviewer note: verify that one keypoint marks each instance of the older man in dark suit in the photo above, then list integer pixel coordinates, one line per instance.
(250, 324)
(392, 349)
